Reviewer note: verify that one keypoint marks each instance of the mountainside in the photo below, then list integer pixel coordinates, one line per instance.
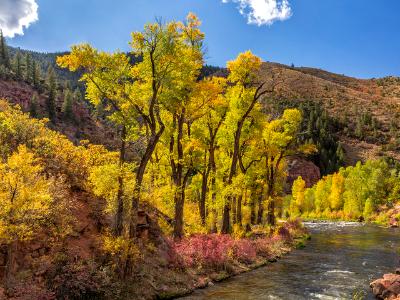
(367, 111)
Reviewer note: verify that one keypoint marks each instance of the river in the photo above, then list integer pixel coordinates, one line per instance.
(339, 260)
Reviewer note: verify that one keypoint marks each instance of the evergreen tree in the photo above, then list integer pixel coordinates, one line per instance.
(78, 95)
(51, 98)
(28, 67)
(67, 105)
(17, 65)
(359, 129)
(33, 106)
(4, 58)
(34, 74)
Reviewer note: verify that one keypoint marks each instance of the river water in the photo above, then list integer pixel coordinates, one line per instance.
(340, 259)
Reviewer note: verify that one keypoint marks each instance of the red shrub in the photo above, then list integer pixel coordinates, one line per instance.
(244, 251)
(203, 250)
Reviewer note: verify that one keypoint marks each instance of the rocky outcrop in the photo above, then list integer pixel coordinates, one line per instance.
(388, 287)
(298, 166)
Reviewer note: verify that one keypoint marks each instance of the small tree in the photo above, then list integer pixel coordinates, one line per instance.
(67, 105)
(33, 106)
(298, 197)
(24, 201)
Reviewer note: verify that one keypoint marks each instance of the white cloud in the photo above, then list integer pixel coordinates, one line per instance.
(263, 12)
(15, 15)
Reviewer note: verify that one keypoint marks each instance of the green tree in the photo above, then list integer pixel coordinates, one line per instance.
(52, 95)
(4, 57)
(28, 67)
(33, 106)
(18, 65)
(67, 107)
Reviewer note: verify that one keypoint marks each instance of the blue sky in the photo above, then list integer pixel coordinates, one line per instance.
(354, 37)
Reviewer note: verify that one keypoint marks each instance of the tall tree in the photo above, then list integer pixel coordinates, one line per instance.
(52, 95)
(243, 93)
(4, 57)
(18, 65)
(279, 141)
(185, 106)
(28, 67)
(209, 91)
(135, 93)
(68, 105)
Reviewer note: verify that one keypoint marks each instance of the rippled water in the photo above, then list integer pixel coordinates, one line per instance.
(340, 259)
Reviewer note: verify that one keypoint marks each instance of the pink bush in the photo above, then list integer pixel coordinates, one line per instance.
(216, 251)
(244, 251)
(204, 250)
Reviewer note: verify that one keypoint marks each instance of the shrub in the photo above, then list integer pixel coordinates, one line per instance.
(244, 251)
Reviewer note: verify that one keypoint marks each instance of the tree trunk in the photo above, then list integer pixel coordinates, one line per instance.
(226, 226)
(271, 212)
(139, 180)
(252, 210)
(239, 211)
(214, 228)
(118, 226)
(179, 203)
(270, 198)
(10, 265)
(260, 209)
(234, 210)
(202, 205)
(178, 178)
(213, 170)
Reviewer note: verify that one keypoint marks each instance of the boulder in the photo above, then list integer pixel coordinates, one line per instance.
(395, 288)
(387, 287)
(377, 288)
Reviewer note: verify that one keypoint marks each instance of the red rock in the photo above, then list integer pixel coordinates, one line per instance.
(391, 277)
(377, 287)
(395, 288)
(298, 166)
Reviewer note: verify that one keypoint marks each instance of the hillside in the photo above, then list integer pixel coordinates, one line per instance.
(367, 111)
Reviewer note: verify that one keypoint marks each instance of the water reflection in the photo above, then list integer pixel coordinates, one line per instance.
(341, 258)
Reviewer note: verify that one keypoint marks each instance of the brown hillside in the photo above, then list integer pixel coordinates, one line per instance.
(346, 98)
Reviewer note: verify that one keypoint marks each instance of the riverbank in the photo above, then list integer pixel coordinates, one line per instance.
(339, 262)
(180, 267)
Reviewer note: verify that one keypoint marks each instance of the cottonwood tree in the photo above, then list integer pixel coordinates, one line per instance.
(243, 93)
(209, 91)
(279, 141)
(136, 93)
(24, 201)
